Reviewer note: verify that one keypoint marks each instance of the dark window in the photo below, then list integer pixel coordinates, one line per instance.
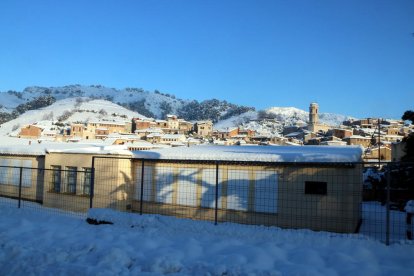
(56, 178)
(71, 179)
(315, 188)
(87, 181)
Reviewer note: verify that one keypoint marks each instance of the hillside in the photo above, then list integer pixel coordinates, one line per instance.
(272, 120)
(70, 110)
(129, 101)
(150, 104)
(292, 115)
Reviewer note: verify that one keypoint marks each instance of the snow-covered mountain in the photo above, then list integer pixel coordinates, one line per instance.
(292, 116)
(150, 104)
(272, 120)
(236, 121)
(70, 110)
(138, 102)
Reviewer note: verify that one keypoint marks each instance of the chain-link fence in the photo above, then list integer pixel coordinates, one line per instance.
(53, 190)
(335, 197)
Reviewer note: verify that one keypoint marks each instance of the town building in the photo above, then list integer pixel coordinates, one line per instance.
(203, 128)
(342, 133)
(358, 140)
(314, 124)
(31, 131)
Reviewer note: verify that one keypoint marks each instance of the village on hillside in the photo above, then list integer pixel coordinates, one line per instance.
(380, 138)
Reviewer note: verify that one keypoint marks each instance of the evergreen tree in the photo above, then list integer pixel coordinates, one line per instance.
(409, 140)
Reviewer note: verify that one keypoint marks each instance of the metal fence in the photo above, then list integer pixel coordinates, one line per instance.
(334, 197)
(55, 190)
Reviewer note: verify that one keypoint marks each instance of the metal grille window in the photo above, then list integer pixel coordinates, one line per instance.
(87, 181)
(71, 179)
(56, 178)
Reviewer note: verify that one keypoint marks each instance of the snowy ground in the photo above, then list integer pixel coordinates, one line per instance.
(37, 242)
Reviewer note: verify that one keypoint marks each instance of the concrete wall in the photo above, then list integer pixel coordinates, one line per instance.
(112, 181)
(263, 195)
(254, 195)
(32, 179)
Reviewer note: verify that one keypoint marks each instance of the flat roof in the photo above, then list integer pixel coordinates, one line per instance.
(18, 146)
(304, 154)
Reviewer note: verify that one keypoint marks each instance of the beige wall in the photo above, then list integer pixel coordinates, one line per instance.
(112, 181)
(254, 195)
(247, 194)
(204, 129)
(385, 154)
(32, 179)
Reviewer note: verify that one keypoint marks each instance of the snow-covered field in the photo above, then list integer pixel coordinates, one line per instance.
(37, 242)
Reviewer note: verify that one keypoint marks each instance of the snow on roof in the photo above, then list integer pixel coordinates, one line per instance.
(259, 153)
(358, 137)
(153, 130)
(334, 143)
(44, 132)
(173, 136)
(177, 144)
(291, 143)
(155, 134)
(93, 149)
(16, 146)
(293, 134)
(108, 123)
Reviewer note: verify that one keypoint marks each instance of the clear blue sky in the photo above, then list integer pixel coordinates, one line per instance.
(352, 57)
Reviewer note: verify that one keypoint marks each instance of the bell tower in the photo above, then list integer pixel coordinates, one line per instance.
(313, 116)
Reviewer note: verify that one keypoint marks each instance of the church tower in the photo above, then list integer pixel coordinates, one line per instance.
(313, 116)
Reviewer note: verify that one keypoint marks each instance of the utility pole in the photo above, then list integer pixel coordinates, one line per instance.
(379, 144)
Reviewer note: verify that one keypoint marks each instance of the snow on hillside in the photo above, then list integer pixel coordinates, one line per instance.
(152, 101)
(38, 242)
(157, 105)
(281, 116)
(70, 110)
(291, 115)
(235, 121)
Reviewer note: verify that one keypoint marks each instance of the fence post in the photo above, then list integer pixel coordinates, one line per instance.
(142, 188)
(387, 219)
(217, 190)
(20, 187)
(92, 189)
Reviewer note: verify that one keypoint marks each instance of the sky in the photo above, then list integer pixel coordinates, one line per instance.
(352, 57)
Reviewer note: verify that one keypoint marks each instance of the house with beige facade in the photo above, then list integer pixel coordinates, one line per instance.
(358, 140)
(382, 153)
(172, 125)
(166, 139)
(142, 123)
(204, 128)
(342, 133)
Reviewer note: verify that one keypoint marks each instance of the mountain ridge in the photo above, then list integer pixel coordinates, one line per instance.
(150, 104)
(155, 104)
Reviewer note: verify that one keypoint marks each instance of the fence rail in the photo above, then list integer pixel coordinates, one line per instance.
(335, 197)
